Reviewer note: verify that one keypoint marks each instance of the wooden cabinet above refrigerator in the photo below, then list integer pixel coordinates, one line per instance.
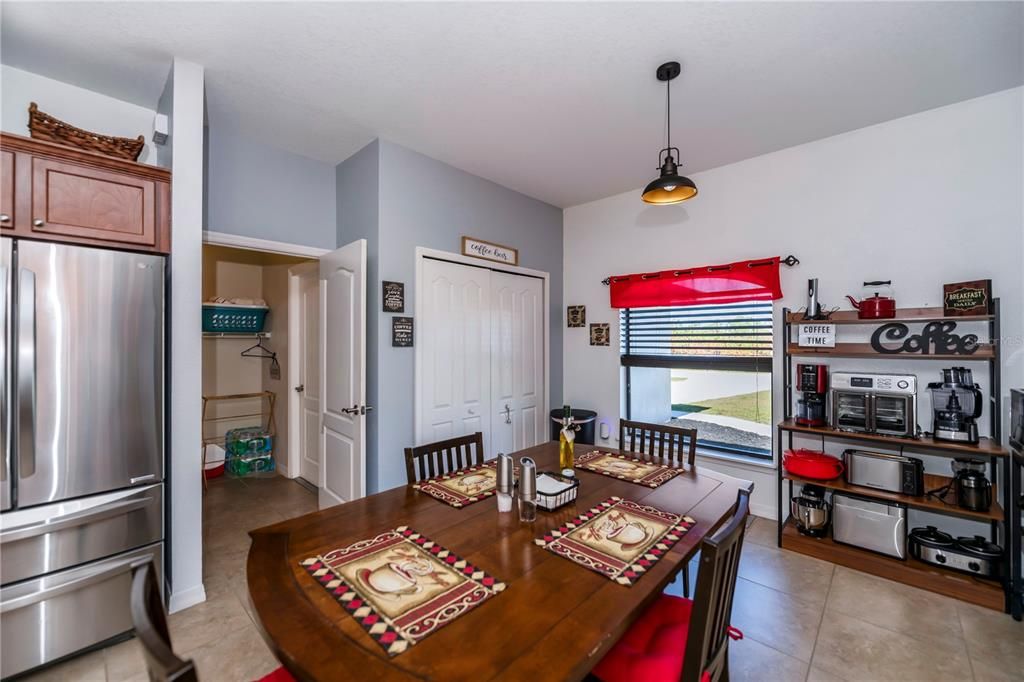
(63, 194)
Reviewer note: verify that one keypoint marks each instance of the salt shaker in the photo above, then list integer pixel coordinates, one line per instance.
(527, 490)
(506, 482)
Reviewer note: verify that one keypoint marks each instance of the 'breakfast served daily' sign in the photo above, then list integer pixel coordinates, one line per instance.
(816, 335)
(478, 248)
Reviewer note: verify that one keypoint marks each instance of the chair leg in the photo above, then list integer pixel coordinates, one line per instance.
(686, 581)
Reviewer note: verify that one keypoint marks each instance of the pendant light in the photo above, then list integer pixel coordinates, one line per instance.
(669, 187)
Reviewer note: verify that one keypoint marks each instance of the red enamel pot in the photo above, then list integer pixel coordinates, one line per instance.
(812, 464)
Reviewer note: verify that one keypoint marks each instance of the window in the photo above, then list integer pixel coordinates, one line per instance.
(706, 367)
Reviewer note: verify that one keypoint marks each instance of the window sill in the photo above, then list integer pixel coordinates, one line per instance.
(741, 460)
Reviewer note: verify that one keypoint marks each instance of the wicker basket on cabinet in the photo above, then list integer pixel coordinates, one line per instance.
(42, 126)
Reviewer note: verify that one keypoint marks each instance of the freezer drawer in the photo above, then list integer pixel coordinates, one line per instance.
(41, 540)
(47, 618)
(880, 527)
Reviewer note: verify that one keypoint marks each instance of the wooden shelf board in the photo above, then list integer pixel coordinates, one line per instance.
(931, 482)
(986, 447)
(864, 350)
(987, 593)
(910, 315)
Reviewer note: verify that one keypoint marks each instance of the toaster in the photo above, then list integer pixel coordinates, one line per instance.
(892, 473)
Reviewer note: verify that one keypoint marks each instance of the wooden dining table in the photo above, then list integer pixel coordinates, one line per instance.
(554, 621)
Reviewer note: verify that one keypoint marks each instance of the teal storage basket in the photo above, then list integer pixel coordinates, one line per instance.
(233, 319)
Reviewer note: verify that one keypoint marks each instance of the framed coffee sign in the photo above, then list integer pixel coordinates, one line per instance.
(577, 315)
(478, 248)
(393, 297)
(401, 332)
(967, 298)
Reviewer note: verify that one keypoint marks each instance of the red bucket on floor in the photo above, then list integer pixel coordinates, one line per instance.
(214, 470)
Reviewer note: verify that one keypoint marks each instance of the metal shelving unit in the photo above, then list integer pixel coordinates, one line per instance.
(1004, 520)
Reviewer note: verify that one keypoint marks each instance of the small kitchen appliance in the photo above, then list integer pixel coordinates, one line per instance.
(811, 512)
(874, 403)
(813, 311)
(974, 555)
(956, 403)
(973, 490)
(893, 473)
(812, 384)
(874, 305)
(870, 524)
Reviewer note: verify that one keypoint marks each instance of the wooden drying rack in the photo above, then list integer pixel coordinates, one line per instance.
(271, 424)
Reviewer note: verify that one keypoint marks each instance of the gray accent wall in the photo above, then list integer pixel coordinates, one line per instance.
(256, 190)
(424, 202)
(357, 190)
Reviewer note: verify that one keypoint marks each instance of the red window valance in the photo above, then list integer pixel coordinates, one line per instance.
(743, 281)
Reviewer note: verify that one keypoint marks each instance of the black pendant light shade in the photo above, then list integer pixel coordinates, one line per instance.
(669, 187)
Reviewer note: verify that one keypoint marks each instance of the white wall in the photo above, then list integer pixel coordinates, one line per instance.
(183, 462)
(931, 198)
(80, 107)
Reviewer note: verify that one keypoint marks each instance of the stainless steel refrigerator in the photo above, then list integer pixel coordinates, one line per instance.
(82, 419)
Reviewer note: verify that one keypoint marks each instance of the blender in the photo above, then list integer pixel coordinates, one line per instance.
(956, 404)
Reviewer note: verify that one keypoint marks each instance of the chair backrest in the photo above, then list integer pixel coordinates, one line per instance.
(659, 440)
(707, 644)
(150, 622)
(434, 459)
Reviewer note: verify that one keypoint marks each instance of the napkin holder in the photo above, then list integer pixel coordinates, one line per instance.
(555, 490)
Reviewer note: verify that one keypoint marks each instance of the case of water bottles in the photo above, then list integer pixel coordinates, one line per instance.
(249, 452)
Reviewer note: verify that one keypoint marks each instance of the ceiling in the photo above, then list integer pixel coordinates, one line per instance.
(556, 100)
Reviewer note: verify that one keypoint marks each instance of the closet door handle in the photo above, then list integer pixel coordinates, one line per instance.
(508, 414)
(300, 388)
(351, 410)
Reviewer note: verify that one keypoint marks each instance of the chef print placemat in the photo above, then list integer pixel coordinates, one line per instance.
(618, 538)
(401, 587)
(626, 468)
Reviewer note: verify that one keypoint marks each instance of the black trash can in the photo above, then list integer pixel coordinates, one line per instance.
(585, 434)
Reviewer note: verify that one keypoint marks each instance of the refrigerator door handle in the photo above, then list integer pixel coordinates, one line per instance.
(26, 373)
(72, 520)
(5, 427)
(101, 572)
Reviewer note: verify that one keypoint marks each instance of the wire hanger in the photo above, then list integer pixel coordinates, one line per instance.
(265, 354)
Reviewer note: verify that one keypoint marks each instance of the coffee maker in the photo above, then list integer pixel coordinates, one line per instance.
(956, 403)
(812, 384)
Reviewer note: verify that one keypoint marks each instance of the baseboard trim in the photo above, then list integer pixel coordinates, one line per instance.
(765, 511)
(183, 599)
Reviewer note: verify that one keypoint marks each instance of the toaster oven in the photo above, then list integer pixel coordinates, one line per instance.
(875, 403)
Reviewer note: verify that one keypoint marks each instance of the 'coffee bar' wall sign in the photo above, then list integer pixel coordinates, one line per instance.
(401, 332)
(478, 248)
(393, 297)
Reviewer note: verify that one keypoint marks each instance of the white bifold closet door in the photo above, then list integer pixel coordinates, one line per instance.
(481, 334)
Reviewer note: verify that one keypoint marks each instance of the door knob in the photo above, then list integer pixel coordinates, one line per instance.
(38, 222)
(4, 218)
(300, 388)
(351, 410)
(508, 414)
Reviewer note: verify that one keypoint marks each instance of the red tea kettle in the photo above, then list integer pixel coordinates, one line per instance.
(875, 306)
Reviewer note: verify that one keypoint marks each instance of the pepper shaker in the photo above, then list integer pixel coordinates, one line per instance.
(505, 483)
(527, 490)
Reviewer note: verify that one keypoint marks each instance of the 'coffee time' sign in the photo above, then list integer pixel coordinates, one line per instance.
(478, 248)
(816, 336)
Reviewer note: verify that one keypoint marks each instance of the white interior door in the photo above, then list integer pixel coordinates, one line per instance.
(454, 387)
(517, 362)
(307, 383)
(342, 352)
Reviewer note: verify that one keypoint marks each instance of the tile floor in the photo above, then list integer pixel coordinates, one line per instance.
(803, 619)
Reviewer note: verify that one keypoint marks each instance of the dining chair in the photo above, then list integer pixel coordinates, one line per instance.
(677, 639)
(672, 443)
(666, 442)
(150, 622)
(442, 457)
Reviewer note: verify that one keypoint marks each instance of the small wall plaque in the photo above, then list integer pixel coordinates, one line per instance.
(967, 298)
(577, 315)
(479, 248)
(816, 335)
(401, 332)
(600, 334)
(393, 297)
